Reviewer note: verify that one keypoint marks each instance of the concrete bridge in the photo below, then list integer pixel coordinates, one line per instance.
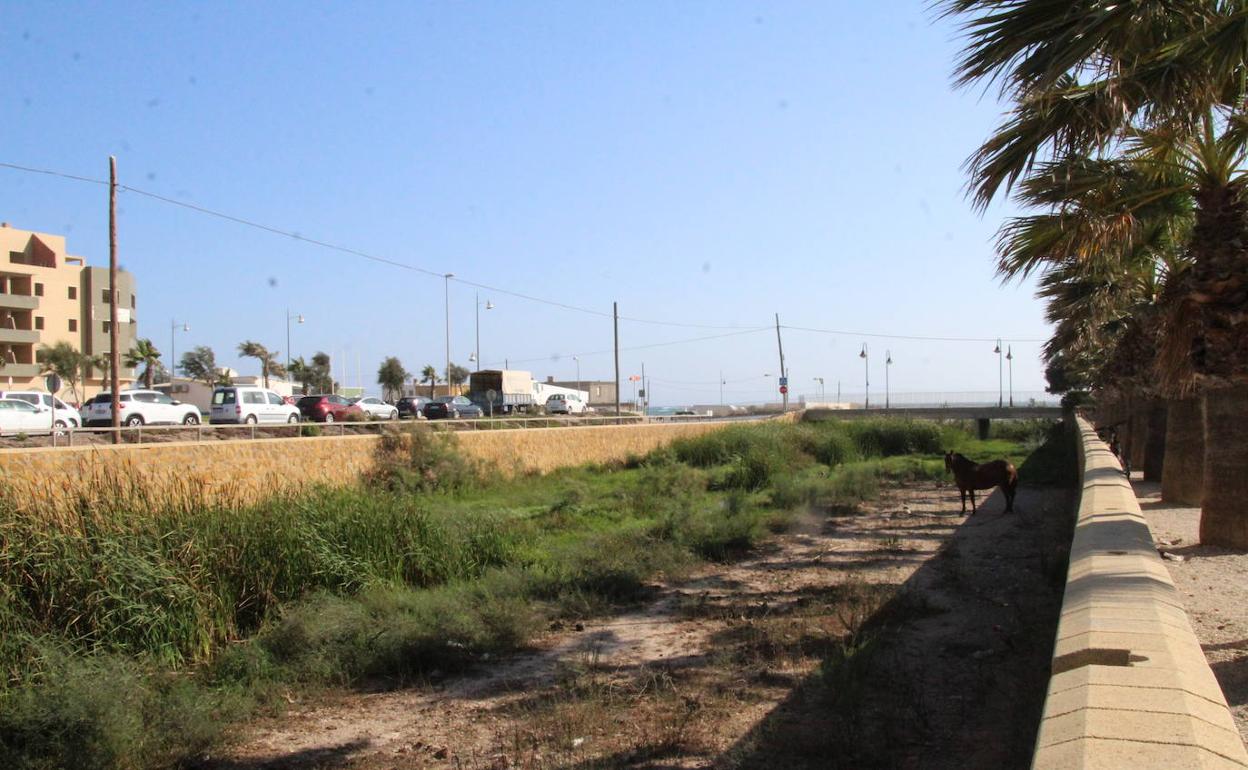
(982, 415)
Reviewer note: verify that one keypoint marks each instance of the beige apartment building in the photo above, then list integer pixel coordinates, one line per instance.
(49, 296)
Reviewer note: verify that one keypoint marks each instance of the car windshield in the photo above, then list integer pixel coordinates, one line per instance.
(445, 399)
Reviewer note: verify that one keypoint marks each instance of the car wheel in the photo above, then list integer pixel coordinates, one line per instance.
(455, 415)
(60, 425)
(329, 417)
(134, 421)
(394, 415)
(251, 419)
(191, 419)
(293, 418)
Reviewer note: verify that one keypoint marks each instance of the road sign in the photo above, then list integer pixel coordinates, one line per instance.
(784, 383)
(784, 389)
(52, 382)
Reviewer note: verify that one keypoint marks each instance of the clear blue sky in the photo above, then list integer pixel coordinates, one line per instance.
(700, 162)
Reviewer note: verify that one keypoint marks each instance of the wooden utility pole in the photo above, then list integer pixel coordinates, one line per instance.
(114, 347)
(615, 317)
(784, 375)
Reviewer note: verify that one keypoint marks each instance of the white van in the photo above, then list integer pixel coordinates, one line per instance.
(241, 404)
(566, 403)
(66, 415)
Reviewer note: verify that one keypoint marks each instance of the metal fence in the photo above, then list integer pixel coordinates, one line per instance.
(161, 434)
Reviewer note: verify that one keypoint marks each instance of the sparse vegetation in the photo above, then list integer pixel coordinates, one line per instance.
(194, 610)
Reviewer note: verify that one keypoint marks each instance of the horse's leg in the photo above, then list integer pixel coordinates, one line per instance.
(973, 510)
(1011, 487)
(962, 492)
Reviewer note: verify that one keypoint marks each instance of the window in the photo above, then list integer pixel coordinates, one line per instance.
(39, 322)
(73, 324)
(253, 397)
(104, 296)
(73, 292)
(275, 399)
(222, 397)
(38, 290)
(161, 398)
(146, 398)
(107, 326)
(132, 302)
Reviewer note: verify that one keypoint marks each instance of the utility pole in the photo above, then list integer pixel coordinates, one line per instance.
(784, 375)
(645, 394)
(114, 344)
(446, 280)
(615, 317)
(721, 387)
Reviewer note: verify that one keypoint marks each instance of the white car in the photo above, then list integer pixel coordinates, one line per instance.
(18, 417)
(250, 405)
(566, 403)
(66, 415)
(376, 409)
(140, 407)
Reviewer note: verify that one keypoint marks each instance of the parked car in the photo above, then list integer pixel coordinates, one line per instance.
(413, 407)
(452, 407)
(66, 415)
(377, 409)
(328, 408)
(565, 403)
(23, 417)
(140, 407)
(251, 405)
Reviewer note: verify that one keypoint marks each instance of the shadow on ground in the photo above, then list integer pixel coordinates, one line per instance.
(951, 672)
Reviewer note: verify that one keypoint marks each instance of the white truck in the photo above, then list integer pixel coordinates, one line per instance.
(501, 391)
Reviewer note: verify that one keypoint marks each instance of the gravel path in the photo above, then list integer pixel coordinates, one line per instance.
(1214, 585)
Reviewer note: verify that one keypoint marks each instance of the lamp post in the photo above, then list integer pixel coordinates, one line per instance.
(446, 281)
(866, 376)
(820, 381)
(290, 356)
(173, 357)
(488, 306)
(1000, 375)
(888, 361)
(578, 371)
(1009, 356)
(721, 387)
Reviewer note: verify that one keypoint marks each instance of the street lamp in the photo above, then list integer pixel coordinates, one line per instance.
(866, 376)
(1009, 356)
(820, 381)
(1000, 375)
(173, 357)
(289, 356)
(888, 361)
(446, 279)
(578, 371)
(488, 306)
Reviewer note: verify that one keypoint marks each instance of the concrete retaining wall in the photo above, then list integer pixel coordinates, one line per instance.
(1130, 685)
(51, 481)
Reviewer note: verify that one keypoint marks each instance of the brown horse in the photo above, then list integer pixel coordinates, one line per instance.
(970, 477)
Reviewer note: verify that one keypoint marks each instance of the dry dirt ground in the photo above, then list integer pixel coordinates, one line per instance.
(905, 635)
(1214, 585)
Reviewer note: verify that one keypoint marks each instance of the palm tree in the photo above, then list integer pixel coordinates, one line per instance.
(430, 375)
(390, 376)
(200, 364)
(303, 373)
(144, 354)
(1093, 78)
(269, 366)
(66, 362)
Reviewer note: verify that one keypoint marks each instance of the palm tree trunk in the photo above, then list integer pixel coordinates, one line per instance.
(1182, 476)
(1224, 507)
(1155, 440)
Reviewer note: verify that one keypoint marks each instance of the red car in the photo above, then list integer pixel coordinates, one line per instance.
(328, 408)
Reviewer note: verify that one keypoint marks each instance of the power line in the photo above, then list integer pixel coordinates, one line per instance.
(294, 235)
(638, 347)
(843, 333)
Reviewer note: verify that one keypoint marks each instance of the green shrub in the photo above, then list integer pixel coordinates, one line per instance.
(889, 437)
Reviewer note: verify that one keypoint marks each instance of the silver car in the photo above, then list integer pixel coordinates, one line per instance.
(376, 409)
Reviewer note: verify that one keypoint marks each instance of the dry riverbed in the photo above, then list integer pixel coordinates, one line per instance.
(905, 635)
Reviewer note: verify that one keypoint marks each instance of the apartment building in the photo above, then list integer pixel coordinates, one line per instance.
(48, 296)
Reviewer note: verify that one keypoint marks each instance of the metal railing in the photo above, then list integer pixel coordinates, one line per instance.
(162, 434)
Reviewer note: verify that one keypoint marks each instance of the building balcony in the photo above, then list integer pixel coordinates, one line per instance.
(18, 371)
(19, 302)
(18, 336)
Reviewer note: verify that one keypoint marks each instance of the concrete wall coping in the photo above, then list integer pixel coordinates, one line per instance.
(1130, 685)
